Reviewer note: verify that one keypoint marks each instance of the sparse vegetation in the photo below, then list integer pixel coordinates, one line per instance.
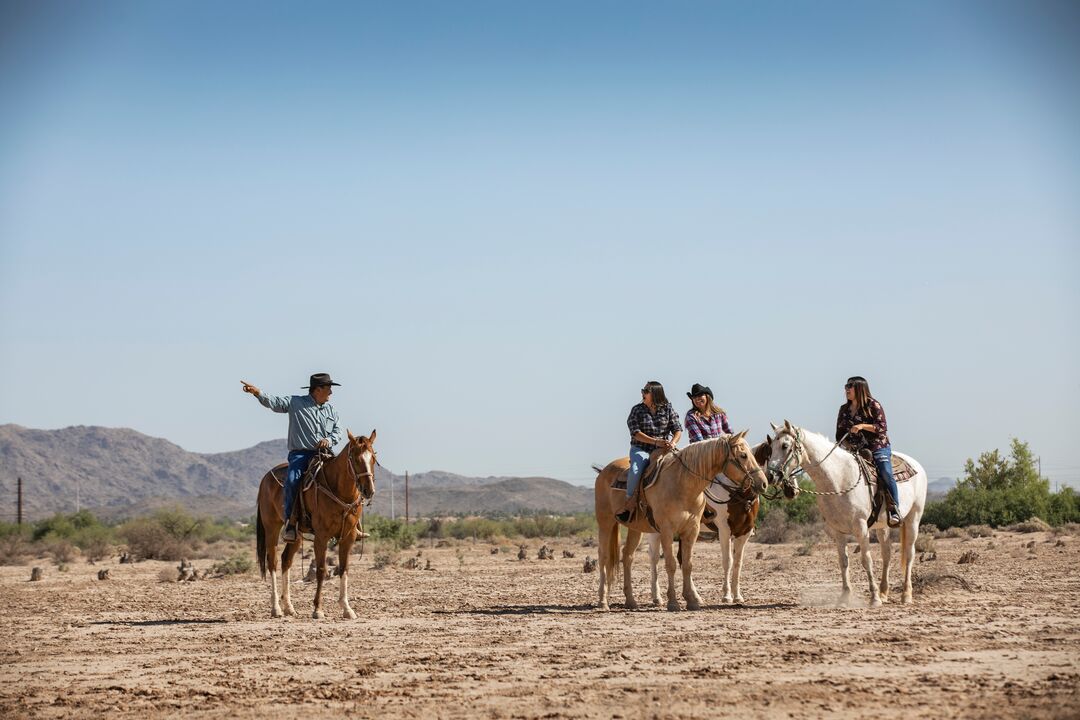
(239, 564)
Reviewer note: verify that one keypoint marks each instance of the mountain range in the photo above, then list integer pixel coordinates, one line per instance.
(118, 472)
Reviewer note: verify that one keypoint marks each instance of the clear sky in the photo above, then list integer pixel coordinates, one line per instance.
(493, 221)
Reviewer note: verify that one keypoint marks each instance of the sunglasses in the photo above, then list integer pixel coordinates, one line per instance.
(848, 386)
(646, 392)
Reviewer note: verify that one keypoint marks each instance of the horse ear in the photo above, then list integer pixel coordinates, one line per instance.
(371, 437)
(775, 427)
(349, 433)
(768, 440)
(762, 452)
(740, 436)
(787, 425)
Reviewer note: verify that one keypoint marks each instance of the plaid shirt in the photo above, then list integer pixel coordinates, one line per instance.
(662, 425)
(874, 415)
(699, 427)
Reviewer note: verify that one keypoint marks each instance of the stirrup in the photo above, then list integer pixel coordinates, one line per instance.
(289, 533)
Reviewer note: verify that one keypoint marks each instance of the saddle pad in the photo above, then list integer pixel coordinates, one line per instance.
(651, 473)
(901, 469)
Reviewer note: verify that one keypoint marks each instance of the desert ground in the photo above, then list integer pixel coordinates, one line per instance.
(488, 635)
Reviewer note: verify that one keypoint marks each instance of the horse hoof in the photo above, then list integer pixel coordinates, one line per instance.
(350, 614)
(275, 612)
(603, 607)
(727, 600)
(875, 602)
(907, 598)
(631, 605)
(693, 605)
(739, 600)
(317, 615)
(673, 606)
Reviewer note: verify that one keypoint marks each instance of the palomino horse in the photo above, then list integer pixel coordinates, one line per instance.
(736, 513)
(845, 502)
(335, 501)
(677, 501)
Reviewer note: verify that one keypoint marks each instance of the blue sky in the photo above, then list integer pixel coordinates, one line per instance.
(492, 222)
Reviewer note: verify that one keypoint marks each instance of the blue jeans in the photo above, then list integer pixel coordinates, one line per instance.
(639, 460)
(298, 464)
(883, 461)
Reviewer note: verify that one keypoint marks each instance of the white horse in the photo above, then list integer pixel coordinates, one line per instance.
(734, 520)
(845, 503)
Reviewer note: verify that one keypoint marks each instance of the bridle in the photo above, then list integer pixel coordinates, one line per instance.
(795, 454)
(729, 457)
(357, 474)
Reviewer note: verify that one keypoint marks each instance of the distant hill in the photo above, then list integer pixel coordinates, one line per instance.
(936, 489)
(121, 472)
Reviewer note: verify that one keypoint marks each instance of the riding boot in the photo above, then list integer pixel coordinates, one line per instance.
(627, 509)
(289, 533)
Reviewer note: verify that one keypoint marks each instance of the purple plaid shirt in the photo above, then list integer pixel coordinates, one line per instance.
(662, 425)
(699, 427)
(874, 414)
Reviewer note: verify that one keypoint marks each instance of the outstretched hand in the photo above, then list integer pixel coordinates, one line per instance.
(249, 388)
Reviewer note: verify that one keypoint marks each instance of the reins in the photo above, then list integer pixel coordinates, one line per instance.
(348, 508)
(797, 451)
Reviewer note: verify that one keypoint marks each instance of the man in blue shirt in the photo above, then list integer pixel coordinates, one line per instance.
(313, 425)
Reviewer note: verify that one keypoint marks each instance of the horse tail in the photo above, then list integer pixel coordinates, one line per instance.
(260, 542)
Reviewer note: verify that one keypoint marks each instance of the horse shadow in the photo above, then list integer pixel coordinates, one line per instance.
(590, 608)
(160, 623)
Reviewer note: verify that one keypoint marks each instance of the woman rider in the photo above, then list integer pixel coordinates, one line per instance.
(705, 420)
(863, 419)
(653, 424)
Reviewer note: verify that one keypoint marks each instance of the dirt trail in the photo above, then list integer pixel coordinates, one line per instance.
(485, 635)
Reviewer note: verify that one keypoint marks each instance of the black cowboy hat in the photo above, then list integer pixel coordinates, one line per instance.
(320, 380)
(699, 389)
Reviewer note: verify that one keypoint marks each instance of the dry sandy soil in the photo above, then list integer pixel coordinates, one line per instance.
(485, 635)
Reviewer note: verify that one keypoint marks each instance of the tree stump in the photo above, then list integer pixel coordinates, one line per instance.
(103, 574)
(187, 572)
(494, 551)
(521, 552)
(568, 553)
(545, 553)
(125, 559)
(590, 565)
(36, 574)
(428, 565)
(411, 564)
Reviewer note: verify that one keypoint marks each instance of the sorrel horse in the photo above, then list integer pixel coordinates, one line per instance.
(335, 500)
(677, 500)
(845, 501)
(736, 513)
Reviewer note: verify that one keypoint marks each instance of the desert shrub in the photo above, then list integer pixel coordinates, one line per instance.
(60, 550)
(928, 529)
(775, 528)
(956, 532)
(806, 548)
(1029, 526)
(166, 575)
(979, 531)
(968, 557)
(239, 564)
(146, 538)
(14, 543)
(384, 559)
(925, 543)
(1068, 529)
(398, 533)
(96, 541)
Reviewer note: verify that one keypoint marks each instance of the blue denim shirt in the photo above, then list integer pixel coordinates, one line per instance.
(309, 422)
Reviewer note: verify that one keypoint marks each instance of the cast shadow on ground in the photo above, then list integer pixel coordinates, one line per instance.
(590, 608)
(156, 623)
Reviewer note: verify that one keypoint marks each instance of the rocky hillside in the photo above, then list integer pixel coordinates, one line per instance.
(118, 472)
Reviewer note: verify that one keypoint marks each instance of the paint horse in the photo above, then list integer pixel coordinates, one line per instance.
(676, 498)
(335, 499)
(846, 503)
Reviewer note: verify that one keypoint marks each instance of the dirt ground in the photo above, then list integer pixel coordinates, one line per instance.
(487, 635)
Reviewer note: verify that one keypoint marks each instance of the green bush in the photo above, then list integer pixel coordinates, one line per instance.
(236, 565)
(398, 533)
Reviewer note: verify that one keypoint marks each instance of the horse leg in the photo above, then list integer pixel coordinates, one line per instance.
(287, 556)
(606, 550)
(725, 557)
(667, 543)
(654, 560)
(868, 563)
(633, 537)
(320, 575)
(845, 580)
(909, 531)
(690, 593)
(884, 539)
(736, 567)
(344, 547)
(272, 567)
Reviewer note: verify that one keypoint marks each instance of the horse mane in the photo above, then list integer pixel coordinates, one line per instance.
(701, 453)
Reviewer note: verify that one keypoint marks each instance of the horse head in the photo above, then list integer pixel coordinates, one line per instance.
(750, 475)
(362, 461)
(786, 456)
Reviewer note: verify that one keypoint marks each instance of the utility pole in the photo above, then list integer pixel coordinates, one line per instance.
(391, 496)
(406, 497)
(78, 500)
(19, 505)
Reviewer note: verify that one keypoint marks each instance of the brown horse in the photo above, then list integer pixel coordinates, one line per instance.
(677, 500)
(335, 501)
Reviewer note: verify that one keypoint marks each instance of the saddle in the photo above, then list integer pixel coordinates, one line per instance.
(641, 509)
(902, 472)
(301, 514)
